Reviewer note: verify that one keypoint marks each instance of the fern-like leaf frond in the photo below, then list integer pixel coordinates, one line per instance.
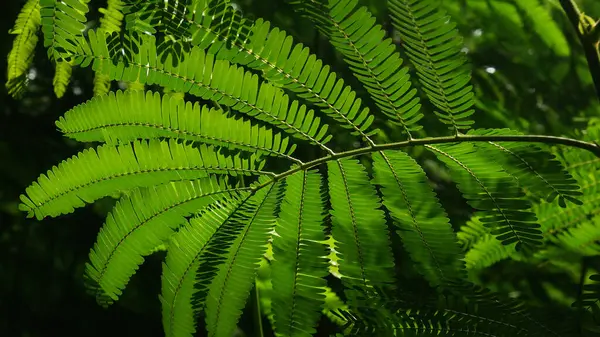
(481, 248)
(110, 22)
(494, 193)
(230, 287)
(199, 74)
(221, 29)
(559, 220)
(181, 266)
(428, 314)
(300, 257)
(21, 55)
(134, 115)
(584, 167)
(137, 225)
(112, 16)
(374, 61)
(422, 223)
(168, 17)
(358, 226)
(537, 170)
(583, 239)
(63, 22)
(433, 45)
(93, 174)
(62, 77)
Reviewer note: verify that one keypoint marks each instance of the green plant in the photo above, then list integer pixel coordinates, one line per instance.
(207, 167)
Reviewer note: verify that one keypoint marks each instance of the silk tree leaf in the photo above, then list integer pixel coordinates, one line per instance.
(131, 115)
(243, 241)
(500, 202)
(433, 46)
(137, 225)
(21, 55)
(109, 169)
(300, 258)
(421, 221)
(180, 268)
(358, 226)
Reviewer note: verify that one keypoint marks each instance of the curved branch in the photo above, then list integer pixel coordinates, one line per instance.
(588, 146)
(589, 45)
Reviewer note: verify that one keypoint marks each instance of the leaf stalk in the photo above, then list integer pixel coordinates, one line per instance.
(588, 146)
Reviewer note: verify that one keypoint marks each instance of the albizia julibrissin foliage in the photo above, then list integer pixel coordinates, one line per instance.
(227, 186)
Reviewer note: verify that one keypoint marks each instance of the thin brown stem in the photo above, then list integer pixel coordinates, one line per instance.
(588, 146)
(589, 45)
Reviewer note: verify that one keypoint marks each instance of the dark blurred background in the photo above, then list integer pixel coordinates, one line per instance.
(529, 75)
